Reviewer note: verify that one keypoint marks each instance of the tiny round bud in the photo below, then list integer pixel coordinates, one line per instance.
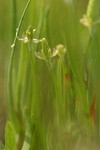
(61, 50)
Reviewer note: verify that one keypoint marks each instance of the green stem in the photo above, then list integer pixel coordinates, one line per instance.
(49, 64)
(52, 75)
(61, 88)
(9, 83)
(14, 17)
(30, 48)
(28, 132)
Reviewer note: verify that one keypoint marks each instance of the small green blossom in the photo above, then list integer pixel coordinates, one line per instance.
(46, 52)
(29, 36)
(40, 55)
(88, 19)
(60, 50)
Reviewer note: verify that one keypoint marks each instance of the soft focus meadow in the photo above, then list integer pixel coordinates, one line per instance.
(50, 75)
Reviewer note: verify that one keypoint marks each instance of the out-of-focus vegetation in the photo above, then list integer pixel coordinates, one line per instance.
(52, 104)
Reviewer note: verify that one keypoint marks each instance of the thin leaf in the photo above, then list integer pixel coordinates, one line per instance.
(10, 140)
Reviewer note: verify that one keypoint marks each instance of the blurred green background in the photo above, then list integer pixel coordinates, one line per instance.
(59, 20)
(60, 24)
(62, 20)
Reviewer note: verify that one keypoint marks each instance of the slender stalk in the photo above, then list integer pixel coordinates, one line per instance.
(61, 89)
(14, 18)
(29, 117)
(30, 47)
(9, 83)
(56, 89)
(52, 75)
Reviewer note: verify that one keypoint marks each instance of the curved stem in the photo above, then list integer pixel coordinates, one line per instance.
(52, 75)
(9, 83)
(56, 90)
(14, 18)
